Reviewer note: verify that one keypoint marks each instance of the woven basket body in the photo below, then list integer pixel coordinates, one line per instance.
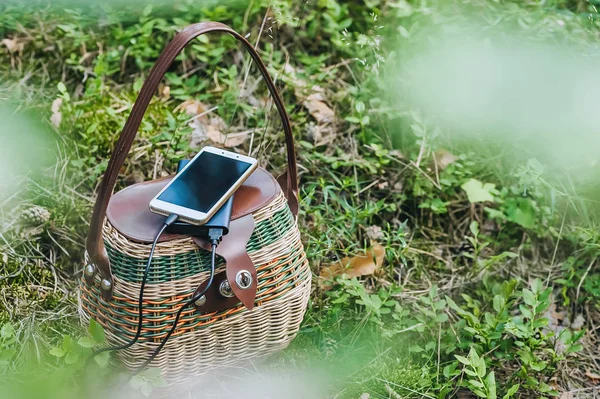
(203, 341)
(118, 248)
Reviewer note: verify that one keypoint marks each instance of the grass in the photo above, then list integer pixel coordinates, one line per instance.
(489, 256)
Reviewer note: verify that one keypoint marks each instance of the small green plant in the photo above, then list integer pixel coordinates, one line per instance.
(521, 339)
(376, 306)
(75, 353)
(478, 380)
(147, 380)
(8, 339)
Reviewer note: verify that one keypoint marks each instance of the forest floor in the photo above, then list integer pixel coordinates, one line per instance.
(469, 266)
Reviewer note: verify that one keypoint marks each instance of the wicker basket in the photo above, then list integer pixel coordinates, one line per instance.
(117, 257)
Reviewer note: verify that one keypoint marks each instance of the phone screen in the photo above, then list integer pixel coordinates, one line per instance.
(204, 182)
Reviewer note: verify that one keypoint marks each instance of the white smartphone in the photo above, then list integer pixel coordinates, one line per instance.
(203, 185)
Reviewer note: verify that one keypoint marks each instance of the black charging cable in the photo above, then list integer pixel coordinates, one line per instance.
(168, 222)
(215, 229)
(214, 234)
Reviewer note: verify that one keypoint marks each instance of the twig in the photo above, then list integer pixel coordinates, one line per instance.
(406, 388)
(422, 252)
(392, 393)
(562, 225)
(201, 114)
(409, 328)
(583, 278)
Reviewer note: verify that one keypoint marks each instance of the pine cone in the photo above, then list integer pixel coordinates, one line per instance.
(35, 216)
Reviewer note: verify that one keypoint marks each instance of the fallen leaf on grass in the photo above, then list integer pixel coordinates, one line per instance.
(13, 45)
(578, 323)
(374, 233)
(56, 117)
(165, 92)
(315, 105)
(312, 97)
(208, 126)
(360, 265)
(592, 376)
(444, 158)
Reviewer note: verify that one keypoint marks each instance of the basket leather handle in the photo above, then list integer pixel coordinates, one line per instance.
(95, 243)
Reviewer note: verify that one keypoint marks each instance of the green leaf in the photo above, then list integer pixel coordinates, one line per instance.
(415, 349)
(565, 336)
(61, 87)
(522, 212)
(529, 297)
(511, 391)
(470, 373)
(152, 373)
(146, 388)
(499, 303)
(463, 360)
(71, 358)
(147, 10)
(481, 369)
(96, 331)
(86, 342)
(67, 343)
(476, 384)
(478, 192)
(575, 348)
(526, 312)
(441, 318)
(136, 382)
(7, 331)
(490, 381)
(360, 107)
(102, 359)
(57, 352)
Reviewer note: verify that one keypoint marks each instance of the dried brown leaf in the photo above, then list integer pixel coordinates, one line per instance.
(56, 117)
(312, 97)
(578, 322)
(207, 126)
(165, 92)
(13, 45)
(316, 106)
(592, 376)
(360, 265)
(374, 233)
(444, 158)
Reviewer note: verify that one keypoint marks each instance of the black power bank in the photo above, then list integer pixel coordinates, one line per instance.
(220, 219)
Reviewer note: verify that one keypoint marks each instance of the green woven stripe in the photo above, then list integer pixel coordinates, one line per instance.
(165, 268)
(169, 268)
(127, 316)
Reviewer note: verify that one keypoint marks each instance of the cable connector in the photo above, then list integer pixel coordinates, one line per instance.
(215, 234)
(171, 219)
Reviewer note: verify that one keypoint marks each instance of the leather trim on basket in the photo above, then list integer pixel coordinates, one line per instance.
(129, 214)
(233, 250)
